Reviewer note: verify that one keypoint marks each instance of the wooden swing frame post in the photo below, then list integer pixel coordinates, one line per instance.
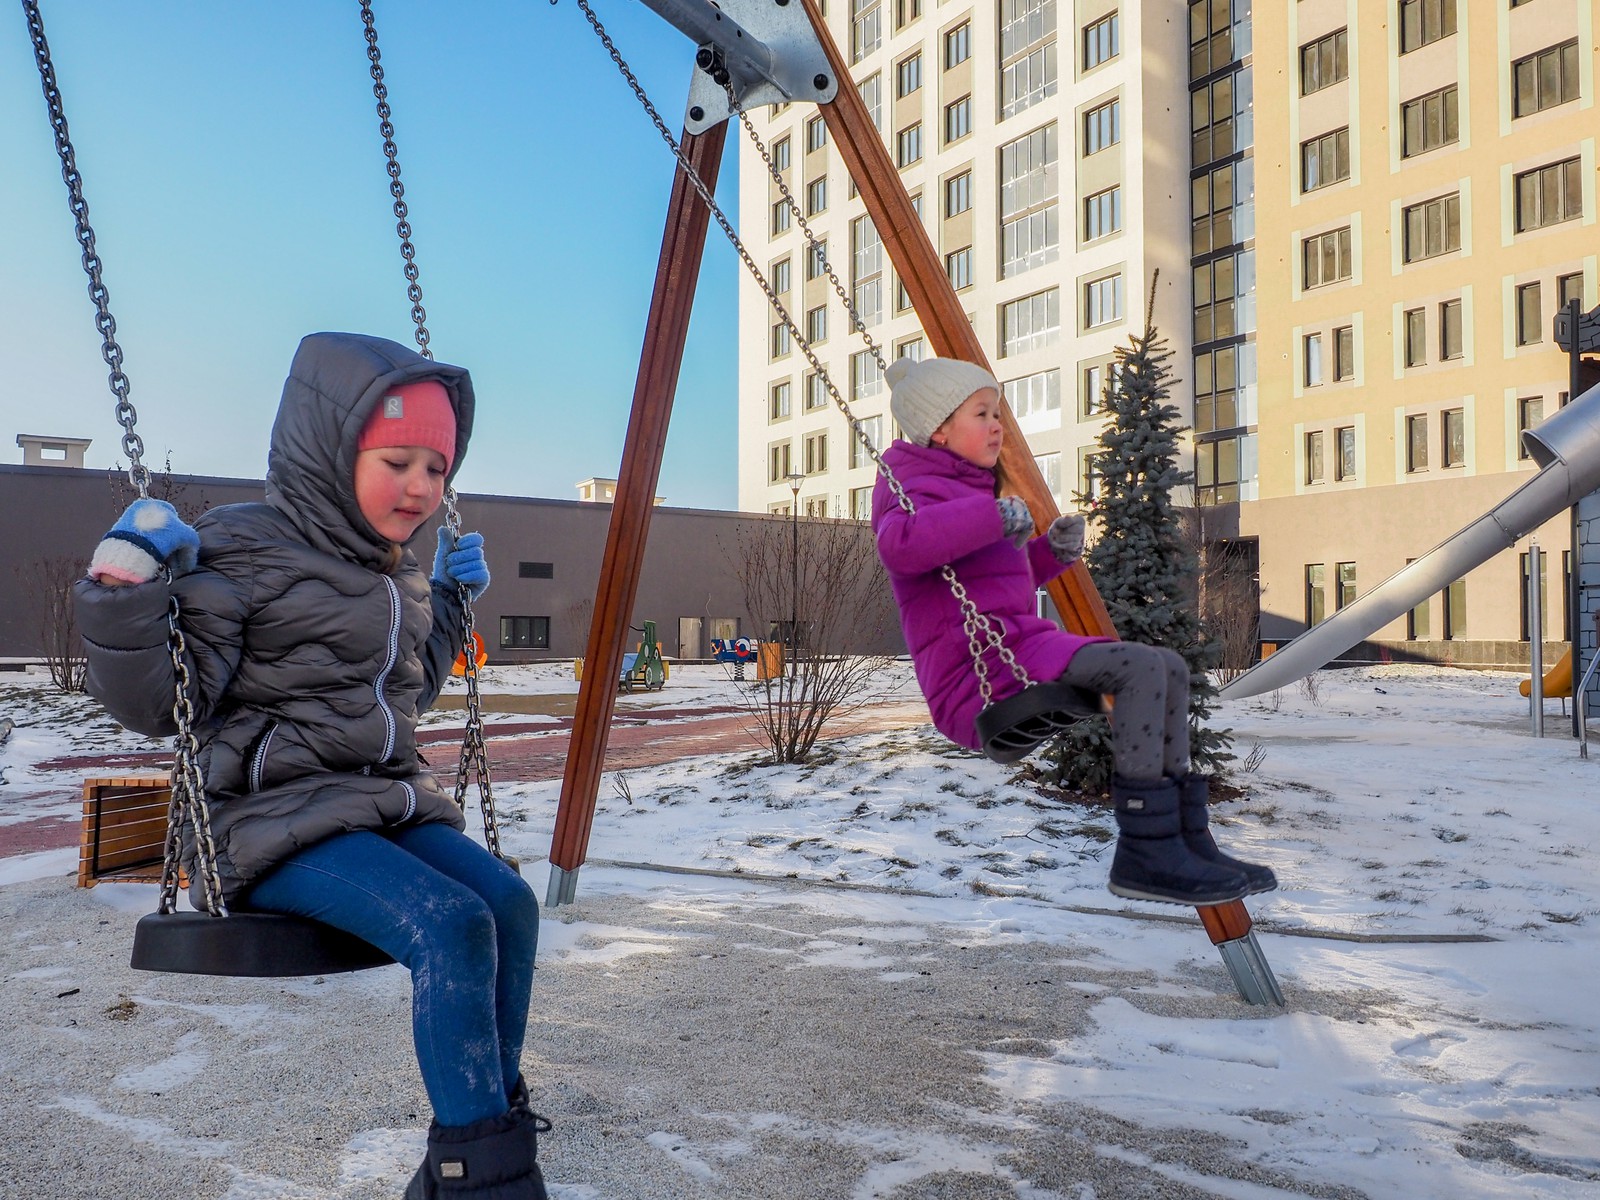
(666, 331)
(945, 322)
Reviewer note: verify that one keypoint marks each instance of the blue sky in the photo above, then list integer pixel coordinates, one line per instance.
(235, 180)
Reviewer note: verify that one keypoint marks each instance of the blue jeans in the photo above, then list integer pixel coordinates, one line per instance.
(461, 921)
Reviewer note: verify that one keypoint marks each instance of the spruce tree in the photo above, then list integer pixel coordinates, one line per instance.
(1141, 562)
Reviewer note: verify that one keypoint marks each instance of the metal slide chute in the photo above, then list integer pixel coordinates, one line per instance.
(1567, 451)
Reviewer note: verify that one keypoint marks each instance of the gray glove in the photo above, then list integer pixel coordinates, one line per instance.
(1066, 537)
(1015, 519)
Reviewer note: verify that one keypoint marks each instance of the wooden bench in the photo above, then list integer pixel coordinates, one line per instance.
(124, 829)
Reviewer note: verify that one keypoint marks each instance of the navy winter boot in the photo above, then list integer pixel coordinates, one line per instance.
(1152, 862)
(493, 1159)
(1194, 798)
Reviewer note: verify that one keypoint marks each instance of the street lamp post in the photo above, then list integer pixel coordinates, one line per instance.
(795, 480)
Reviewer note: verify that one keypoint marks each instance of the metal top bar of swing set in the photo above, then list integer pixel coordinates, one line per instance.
(728, 46)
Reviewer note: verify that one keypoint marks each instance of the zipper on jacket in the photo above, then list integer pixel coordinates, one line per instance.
(411, 804)
(388, 665)
(258, 760)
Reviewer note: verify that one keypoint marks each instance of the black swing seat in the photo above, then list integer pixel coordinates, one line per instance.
(1009, 729)
(248, 944)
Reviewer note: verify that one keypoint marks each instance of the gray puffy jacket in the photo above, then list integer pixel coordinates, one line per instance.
(313, 643)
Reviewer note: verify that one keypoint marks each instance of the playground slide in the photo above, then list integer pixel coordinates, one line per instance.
(1567, 449)
(1557, 680)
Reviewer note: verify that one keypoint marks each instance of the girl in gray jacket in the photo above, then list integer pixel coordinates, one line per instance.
(315, 641)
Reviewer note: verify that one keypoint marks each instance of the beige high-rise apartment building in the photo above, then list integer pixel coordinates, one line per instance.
(1425, 177)
(1365, 214)
(1045, 145)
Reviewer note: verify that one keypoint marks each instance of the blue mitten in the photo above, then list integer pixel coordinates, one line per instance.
(1066, 534)
(460, 562)
(1015, 519)
(149, 535)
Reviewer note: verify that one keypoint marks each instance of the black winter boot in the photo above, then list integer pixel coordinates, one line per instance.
(487, 1160)
(1194, 799)
(1151, 861)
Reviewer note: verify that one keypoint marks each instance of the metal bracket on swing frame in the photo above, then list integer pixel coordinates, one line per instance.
(764, 50)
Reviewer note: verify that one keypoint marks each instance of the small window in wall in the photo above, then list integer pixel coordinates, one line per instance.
(1314, 456)
(536, 570)
(958, 45)
(1316, 593)
(1450, 344)
(1325, 258)
(1344, 353)
(1425, 21)
(958, 194)
(1416, 344)
(1324, 62)
(1545, 79)
(1530, 314)
(861, 503)
(1346, 594)
(1101, 41)
(1312, 350)
(1455, 610)
(1418, 624)
(1345, 465)
(1430, 121)
(525, 633)
(1530, 412)
(1325, 160)
(1549, 195)
(1432, 228)
(1417, 443)
(1453, 431)
(1544, 596)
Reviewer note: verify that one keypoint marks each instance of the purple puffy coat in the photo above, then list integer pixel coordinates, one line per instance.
(957, 522)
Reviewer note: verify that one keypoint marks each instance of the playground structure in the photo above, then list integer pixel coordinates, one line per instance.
(644, 667)
(1566, 448)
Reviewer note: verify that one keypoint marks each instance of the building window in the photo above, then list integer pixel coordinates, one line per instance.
(866, 271)
(1530, 314)
(872, 97)
(1050, 470)
(958, 194)
(816, 453)
(1314, 456)
(1569, 288)
(1102, 127)
(906, 11)
(1102, 301)
(536, 570)
(1415, 321)
(866, 28)
(1549, 195)
(778, 404)
(1216, 473)
(780, 276)
(957, 46)
(908, 76)
(958, 266)
(778, 462)
(1031, 323)
(1030, 233)
(902, 297)
(525, 633)
(866, 377)
(1530, 412)
(1093, 380)
(1091, 479)
(1221, 287)
(1344, 353)
(1417, 443)
(908, 145)
(1033, 395)
(861, 503)
(1545, 79)
(1429, 122)
(1326, 258)
(817, 259)
(780, 153)
(1102, 214)
(1344, 467)
(816, 134)
(1417, 619)
(1223, 207)
(1451, 345)
(816, 196)
(1221, 117)
(1100, 41)
(1346, 585)
(1211, 29)
(1029, 77)
(1425, 21)
(816, 391)
(912, 348)
(1453, 441)
(781, 343)
(1325, 160)
(1316, 593)
(1220, 375)
(1455, 610)
(957, 119)
(1311, 345)
(1432, 228)
(817, 324)
(1324, 62)
(780, 217)
(872, 430)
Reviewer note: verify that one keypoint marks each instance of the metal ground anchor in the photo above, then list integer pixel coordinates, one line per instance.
(1251, 972)
(563, 887)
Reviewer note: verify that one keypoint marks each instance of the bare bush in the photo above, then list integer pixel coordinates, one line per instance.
(51, 580)
(819, 589)
(1311, 689)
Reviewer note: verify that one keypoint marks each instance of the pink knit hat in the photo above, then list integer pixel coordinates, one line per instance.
(413, 414)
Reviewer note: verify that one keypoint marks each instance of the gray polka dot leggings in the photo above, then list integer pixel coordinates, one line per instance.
(1150, 725)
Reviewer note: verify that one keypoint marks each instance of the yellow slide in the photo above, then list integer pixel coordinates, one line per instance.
(1557, 681)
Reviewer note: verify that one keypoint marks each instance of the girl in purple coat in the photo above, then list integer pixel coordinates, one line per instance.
(948, 412)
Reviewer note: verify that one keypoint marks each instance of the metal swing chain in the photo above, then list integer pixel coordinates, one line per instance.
(187, 794)
(474, 755)
(975, 623)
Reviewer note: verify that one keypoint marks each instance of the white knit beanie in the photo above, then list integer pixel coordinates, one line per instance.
(923, 394)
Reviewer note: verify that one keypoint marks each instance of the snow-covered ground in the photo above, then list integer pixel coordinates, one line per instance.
(1436, 936)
